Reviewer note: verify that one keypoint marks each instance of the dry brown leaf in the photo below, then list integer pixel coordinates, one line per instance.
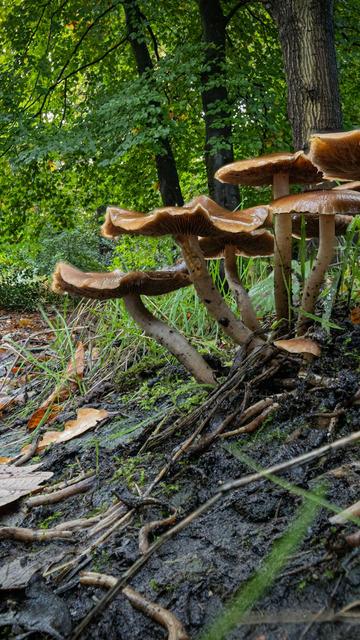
(6, 401)
(355, 315)
(19, 481)
(26, 323)
(52, 411)
(74, 372)
(86, 419)
(4, 460)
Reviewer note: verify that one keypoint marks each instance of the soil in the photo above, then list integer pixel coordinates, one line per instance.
(197, 572)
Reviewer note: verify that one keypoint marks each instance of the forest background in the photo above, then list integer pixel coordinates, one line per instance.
(137, 104)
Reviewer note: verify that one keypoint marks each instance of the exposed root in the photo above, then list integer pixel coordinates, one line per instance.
(33, 535)
(164, 617)
(144, 532)
(61, 494)
(227, 487)
(344, 516)
(254, 424)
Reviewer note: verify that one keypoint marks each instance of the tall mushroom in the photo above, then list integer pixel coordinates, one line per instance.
(186, 224)
(256, 244)
(130, 286)
(278, 169)
(326, 204)
(337, 154)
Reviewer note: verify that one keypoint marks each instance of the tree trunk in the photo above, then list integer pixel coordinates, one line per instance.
(165, 162)
(218, 146)
(306, 32)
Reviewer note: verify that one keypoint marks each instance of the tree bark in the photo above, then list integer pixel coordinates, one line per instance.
(165, 162)
(306, 32)
(215, 101)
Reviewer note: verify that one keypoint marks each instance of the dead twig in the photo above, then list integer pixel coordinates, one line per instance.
(33, 535)
(20, 460)
(253, 425)
(244, 414)
(353, 539)
(144, 532)
(164, 617)
(61, 494)
(232, 485)
(342, 518)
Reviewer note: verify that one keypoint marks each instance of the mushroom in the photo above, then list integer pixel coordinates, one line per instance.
(312, 225)
(255, 244)
(278, 169)
(186, 224)
(130, 286)
(353, 186)
(325, 204)
(336, 154)
(303, 346)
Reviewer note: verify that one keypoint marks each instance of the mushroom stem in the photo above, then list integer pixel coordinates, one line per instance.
(170, 338)
(208, 293)
(242, 297)
(323, 259)
(282, 251)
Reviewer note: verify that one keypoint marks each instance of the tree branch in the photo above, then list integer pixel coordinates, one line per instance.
(152, 35)
(74, 51)
(238, 6)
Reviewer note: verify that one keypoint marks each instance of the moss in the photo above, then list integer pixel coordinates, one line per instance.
(127, 380)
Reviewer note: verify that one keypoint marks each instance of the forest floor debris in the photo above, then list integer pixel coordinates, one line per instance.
(141, 477)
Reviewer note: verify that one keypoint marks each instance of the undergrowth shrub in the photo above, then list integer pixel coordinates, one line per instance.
(22, 289)
(83, 247)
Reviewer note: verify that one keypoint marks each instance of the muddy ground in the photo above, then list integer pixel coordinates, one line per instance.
(195, 573)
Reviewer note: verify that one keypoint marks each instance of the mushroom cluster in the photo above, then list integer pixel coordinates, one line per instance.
(204, 230)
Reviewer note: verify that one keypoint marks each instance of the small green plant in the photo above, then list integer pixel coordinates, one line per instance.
(131, 471)
(44, 524)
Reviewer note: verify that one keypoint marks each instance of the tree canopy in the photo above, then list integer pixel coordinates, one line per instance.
(81, 128)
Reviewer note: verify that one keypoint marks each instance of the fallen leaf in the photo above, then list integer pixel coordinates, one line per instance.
(5, 401)
(86, 419)
(74, 372)
(4, 460)
(77, 364)
(26, 323)
(17, 573)
(50, 412)
(19, 481)
(355, 315)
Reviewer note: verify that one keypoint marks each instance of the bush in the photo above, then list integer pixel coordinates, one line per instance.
(22, 289)
(83, 247)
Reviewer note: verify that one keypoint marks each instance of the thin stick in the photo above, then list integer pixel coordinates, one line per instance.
(144, 532)
(61, 494)
(167, 619)
(232, 485)
(33, 535)
(253, 425)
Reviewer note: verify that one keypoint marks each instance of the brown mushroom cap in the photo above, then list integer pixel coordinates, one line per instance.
(319, 202)
(108, 230)
(337, 154)
(299, 345)
(195, 220)
(115, 284)
(260, 171)
(259, 243)
(312, 225)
